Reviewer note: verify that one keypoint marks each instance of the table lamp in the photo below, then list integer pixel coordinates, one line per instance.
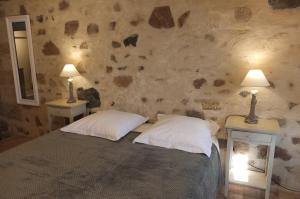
(254, 78)
(70, 71)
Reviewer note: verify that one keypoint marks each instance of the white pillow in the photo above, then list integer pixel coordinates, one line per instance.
(179, 132)
(214, 127)
(110, 124)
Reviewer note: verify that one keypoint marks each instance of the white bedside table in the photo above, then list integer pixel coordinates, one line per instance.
(63, 109)
(262, 133)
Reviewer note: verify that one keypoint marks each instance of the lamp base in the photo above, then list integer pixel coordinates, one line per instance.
(70, 101)
(251, 118)
(71, 96)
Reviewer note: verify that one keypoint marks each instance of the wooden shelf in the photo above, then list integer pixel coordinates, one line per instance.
(255, 179)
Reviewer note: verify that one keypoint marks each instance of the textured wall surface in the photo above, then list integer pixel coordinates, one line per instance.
(171, 56)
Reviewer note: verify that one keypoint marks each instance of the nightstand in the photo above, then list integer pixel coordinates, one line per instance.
(262, 133)
(61, 108)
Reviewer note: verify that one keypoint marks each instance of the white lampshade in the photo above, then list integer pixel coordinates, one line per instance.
(69, 70)
(255, 78)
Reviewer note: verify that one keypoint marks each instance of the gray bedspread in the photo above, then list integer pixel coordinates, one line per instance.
(63, 165)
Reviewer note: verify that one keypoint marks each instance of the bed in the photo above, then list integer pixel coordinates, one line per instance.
(66, 165)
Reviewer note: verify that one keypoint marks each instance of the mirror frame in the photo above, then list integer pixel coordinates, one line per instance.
(9, 22)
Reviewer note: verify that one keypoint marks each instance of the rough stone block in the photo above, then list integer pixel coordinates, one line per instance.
(182, 19)
(71, 27)
(198, 83)
(115, 44)
(23, 10)
(63, 5)
(209, 104)
(122, 81)
(242, 14)
(84, 45)
(219, 82)
(92, 29)
(161, 17)
(282, 4)
(50, 49)
(41, 78)
(194, 113)
(131, 40)
(282, 153)
(11, 111)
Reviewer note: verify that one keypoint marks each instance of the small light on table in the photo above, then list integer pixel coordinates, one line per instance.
(70, 71)
(254, 78)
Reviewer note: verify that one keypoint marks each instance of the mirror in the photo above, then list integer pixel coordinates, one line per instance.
(21, 52)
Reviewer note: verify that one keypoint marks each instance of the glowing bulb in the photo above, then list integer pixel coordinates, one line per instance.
(76, 55)
(256, 58)
(240, 167)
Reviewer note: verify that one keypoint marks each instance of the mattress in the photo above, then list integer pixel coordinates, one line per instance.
(64, 165)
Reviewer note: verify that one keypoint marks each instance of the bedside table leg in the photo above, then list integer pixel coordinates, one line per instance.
(228, 160)
(270, 167)
(71, 119)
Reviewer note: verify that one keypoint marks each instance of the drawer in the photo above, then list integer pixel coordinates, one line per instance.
(64, 112)
(251, 137)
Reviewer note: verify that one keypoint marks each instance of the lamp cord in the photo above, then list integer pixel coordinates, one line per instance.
(283, 186)
(233, 115)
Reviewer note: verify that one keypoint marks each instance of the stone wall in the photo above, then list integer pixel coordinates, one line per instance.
(171, 56)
